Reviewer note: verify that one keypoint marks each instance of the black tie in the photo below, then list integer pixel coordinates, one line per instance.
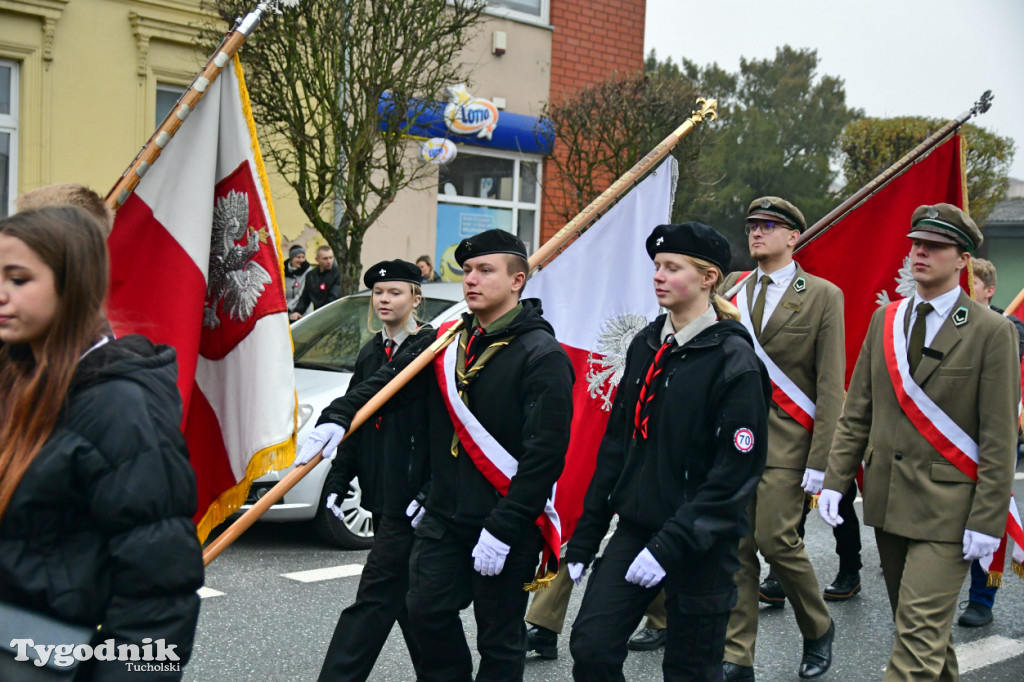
(916, 346)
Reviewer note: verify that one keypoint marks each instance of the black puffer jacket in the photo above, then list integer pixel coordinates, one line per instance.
(100, 531)
(523, 398)
(689, 483)
(389, 456)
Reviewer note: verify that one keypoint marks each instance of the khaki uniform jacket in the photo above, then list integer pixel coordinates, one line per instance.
(909, 488)
(805, 337)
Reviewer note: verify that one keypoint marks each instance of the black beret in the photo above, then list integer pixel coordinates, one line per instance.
(486, 243)
(392, 271)
(691, 239)
(947, 224)
(775, 208)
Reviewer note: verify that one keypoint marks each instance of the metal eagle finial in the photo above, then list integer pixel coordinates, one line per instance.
(983, 104)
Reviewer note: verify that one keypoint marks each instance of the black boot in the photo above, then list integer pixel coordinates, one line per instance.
(818, 654)
(975, 615)
(843, 587)
(647, 639)
(734, 672)
(770, 592)
(542, 640)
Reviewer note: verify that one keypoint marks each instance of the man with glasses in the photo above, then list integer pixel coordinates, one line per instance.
(796, 321)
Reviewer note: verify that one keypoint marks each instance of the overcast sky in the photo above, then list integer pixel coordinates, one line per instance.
(897, 57)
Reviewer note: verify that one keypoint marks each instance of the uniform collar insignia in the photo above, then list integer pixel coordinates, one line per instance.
(960, 316)
(799, 285)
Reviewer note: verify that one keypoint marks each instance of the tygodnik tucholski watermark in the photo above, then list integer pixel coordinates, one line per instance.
(151, 656)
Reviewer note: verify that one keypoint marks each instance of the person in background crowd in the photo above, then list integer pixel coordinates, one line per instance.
(96, 491)
(426, 266)
(982, 596)
(796, 322)
(389, 456)
(295, 270)
(932, 413)
(680, 459)
(323, 284)
(73, 194)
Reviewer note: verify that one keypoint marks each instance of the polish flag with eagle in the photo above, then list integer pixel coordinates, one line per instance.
(195, 265)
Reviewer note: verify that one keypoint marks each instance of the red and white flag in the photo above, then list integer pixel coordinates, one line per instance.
(598, 295)
(195, 265)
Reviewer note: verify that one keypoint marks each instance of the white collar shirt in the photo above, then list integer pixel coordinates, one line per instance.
(780, 280)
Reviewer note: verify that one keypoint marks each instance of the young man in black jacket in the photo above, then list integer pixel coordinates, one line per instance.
(500, 399)
(323, 284)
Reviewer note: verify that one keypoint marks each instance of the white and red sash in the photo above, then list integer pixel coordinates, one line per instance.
(785, 393)
(493, 460)
(937, 427)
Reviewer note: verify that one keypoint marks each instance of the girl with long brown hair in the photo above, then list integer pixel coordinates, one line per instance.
(96, 491)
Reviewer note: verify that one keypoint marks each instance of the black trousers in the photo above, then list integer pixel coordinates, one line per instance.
(847, 535)
(612, 608)
(363, 627)
(442, 582)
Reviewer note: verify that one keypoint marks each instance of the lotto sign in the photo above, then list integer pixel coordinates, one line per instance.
(743, 439)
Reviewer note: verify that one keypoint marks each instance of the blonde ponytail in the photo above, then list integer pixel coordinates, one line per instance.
(723, 309)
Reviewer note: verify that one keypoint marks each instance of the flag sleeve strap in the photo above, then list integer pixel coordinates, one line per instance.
(597, 512)
(851, 437)
(716, 509)
(830, 371)
(547, 413)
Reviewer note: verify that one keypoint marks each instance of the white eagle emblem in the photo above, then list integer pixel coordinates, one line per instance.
(905, 284)
(234, 279)
(605, 371)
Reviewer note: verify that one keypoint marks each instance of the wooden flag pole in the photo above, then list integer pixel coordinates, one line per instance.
(883, 178)
(221, 57)
(549, 250)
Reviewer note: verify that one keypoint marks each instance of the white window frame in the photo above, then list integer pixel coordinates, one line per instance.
(9, 124)
(515, 203)
(515, 15)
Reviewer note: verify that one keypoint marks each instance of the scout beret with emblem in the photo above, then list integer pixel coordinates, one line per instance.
(392, 271)
(691, 239)
(486, 243)
(946, 224)
(777, 209)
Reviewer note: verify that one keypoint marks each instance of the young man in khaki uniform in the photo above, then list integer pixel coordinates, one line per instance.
(797, 320)
(932, 412)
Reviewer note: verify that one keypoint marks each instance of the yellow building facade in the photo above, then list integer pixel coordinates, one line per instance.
(84, 83)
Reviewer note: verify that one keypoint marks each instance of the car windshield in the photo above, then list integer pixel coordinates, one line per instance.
(330, 338)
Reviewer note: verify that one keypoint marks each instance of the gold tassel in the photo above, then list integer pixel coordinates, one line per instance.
(812, 501)
(995, 579)
(1017, 568)
(541, 582)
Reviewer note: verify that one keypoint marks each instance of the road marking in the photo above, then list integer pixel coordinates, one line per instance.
(206, 592)
(329, 573)
(1019, 476)
(987, 651)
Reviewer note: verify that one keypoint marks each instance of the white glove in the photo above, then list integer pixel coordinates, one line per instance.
(813, 480)
(645, 570)
(335, 508)
(978, 545)
(325, 437)
(489, 554)
(415, 512)
(576, 572)
(828, 507)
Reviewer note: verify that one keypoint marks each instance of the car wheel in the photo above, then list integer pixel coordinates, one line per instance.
(355, 531)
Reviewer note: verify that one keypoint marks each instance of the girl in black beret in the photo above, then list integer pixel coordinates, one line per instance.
(389, 456)
(681, 456)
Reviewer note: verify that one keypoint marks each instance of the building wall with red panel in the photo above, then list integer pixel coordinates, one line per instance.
(590, 40)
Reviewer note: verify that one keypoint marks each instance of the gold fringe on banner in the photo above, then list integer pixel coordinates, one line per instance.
(995, 579)
(541, 582)
(1017, 568)
(812, 501)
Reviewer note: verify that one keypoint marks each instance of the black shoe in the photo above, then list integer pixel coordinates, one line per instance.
(818, 654)
(542, 640)
(975, 615)
(647, 639)
(733, 672)
(770, 592)
(843, 587)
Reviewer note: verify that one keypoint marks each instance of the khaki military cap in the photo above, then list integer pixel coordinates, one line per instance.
(946, 224)
(777, 209)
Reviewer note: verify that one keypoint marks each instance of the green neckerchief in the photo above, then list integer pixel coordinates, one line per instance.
(464, 377)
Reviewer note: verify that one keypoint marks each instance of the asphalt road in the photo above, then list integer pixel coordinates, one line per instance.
(261, 622)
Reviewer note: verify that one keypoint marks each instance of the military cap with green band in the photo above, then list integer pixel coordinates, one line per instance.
(778, 209)
(945, 224)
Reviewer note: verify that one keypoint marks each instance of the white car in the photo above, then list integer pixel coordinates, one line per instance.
(327, 342)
